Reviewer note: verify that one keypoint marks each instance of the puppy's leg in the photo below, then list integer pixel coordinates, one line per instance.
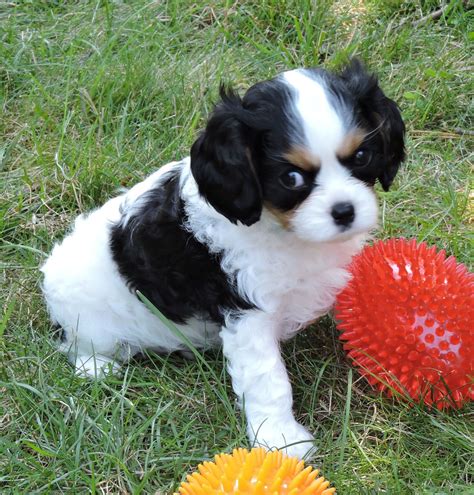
(260, 380)
(95, 366)
(94, 354)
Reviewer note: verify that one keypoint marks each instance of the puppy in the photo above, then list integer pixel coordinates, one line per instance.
(244, 243)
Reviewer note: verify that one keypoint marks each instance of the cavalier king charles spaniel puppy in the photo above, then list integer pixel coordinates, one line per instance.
(243, 243)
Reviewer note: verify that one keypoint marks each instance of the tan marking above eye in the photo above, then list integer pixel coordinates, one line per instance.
(303, 159)
(352, 141)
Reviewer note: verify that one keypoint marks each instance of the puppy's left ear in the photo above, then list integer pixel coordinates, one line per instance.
(382, 113)
(392, 130)
(221, 163)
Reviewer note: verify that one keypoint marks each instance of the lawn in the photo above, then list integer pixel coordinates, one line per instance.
(95, 95)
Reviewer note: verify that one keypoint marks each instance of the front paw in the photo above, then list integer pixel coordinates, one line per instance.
(96, 366)
(288, 436)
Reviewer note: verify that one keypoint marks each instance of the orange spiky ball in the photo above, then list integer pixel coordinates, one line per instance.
(257, 472)
(407, 320)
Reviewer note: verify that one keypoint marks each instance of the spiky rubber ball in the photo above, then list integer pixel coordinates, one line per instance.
(407, 319)
(257, 472)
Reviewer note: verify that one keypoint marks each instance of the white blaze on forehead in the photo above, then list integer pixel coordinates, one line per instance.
(323, 128)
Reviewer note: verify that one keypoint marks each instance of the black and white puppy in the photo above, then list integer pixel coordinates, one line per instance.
(243, 243)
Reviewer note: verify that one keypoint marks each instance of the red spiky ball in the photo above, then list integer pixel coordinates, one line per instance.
(407, 319)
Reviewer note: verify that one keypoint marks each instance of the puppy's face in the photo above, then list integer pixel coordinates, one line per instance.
(308, 146)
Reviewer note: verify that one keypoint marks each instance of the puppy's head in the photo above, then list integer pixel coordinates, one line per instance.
(308, 146)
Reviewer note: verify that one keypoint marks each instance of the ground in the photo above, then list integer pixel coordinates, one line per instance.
(97, 94)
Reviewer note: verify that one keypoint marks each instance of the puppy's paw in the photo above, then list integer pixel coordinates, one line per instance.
(96, 366)
(288, 436)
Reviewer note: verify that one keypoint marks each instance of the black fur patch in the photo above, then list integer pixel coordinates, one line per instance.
(222, 163)
(380, 115)
(156, 255)
(237, 161)
(277, 132)
(358, 96)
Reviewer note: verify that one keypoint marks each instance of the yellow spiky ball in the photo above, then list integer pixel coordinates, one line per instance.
(257, 472)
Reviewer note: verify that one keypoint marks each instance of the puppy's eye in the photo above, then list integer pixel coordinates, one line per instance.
(362, 157)
(293, 180)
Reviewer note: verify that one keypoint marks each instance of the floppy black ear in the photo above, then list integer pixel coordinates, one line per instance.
(382, 113)
(221, 163)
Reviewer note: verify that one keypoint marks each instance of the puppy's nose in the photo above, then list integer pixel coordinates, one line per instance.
(343, 213)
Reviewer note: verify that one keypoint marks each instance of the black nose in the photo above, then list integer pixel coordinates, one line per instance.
(343, 213)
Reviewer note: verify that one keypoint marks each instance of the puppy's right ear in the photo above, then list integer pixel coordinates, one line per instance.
(221, 163)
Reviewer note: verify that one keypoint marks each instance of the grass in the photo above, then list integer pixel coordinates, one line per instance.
(97, 94)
